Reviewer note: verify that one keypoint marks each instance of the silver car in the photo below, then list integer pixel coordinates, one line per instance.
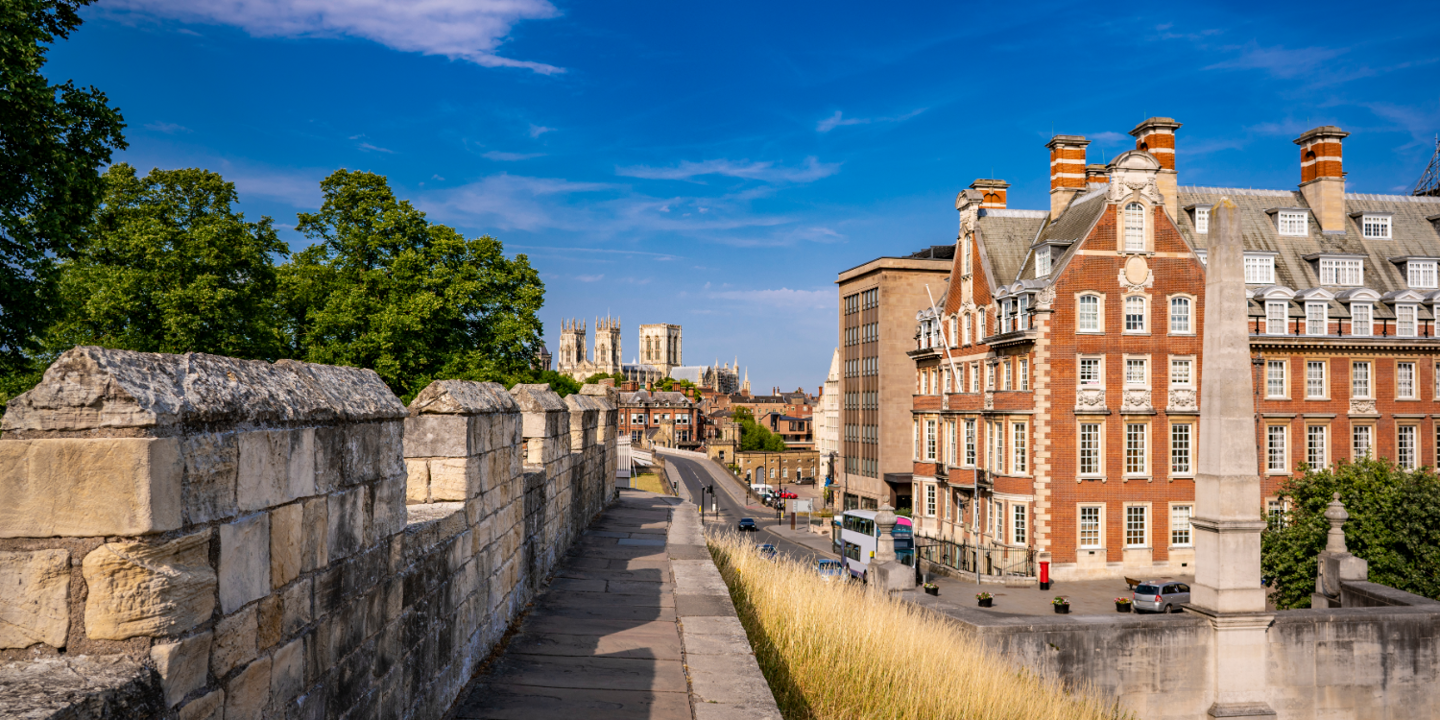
(1160, 596)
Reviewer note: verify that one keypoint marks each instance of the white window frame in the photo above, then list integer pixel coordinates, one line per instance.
(1317, 446)
(1362, 440)
(1042, 261)
(1202, 220)
(1137, 458)
(1421, 274)
(1259, 269)
(1182, 378)
(1023, 373)
(1406, 320)
(1407, 449)
(965, 337)
(1137, 372)
(1094, 527)
(1137, 525)
(970, 442)
(1360, 383)
(1405, 386)
(930, 500)
(1182, 323)
(1277, 317)
(1375, 227)
(1292, 223)
(1277, 454)
(1342, 271)
(1090, 449)
(1133, 225)
(1019, 532)
(1019, 446)
(1084, 321)
(1089, 380)
(1316, 386)
(1317, 318)
(931, 440)
(1126, 314)
(1181, 533)
(1182, 449)
(1275, 378)
(1362, 319)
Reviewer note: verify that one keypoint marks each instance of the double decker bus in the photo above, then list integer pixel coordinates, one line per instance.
(854, 536)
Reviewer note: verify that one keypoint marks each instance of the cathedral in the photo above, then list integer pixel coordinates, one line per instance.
(573, 358)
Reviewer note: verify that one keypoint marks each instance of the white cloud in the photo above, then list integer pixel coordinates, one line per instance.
(470, 30)
(590, 278)
(167, 128)
(367, 147)
(839, 119)
(782, 297)
(511, 157)
(1278, 61)
(538, 130)
(810, 171)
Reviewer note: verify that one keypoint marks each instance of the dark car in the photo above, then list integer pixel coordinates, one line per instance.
(747, 524)
(766, 551)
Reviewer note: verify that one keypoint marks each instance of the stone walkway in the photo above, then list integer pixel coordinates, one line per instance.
(604, 640)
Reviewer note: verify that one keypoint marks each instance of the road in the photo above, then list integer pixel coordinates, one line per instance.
(694, 474)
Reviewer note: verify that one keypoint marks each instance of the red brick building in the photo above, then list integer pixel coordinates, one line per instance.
(664, 419)
(1055, 409)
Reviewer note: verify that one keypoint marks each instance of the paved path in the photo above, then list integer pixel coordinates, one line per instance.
(635, 624)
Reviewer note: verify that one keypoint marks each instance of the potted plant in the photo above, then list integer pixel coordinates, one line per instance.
(1062, 606)
(932, 589)
(985, 598)
(1122, 604)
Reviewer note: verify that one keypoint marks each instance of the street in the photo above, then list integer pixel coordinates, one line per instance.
(694, 474)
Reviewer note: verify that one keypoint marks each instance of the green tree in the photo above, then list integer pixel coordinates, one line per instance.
(597, 377)
(53, 140)
(562, 384)
(753, 435)
(386, 289)
(1392, 526)
(170, 266)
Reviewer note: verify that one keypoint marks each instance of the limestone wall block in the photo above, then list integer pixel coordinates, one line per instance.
(248, 694)
(34, 598)
(139, 589)
(210, 706)
(417, 481)
(300, 471)
(87, 487)
(387, 514)
(244, 561)
(234, 644)
(314, 549)
(211, 470)
(348, 522)
(264, 469)
(269, 613)
(183, 666)
(373, 450)
(286, 539)
(329, 444)
(287, 675)
(456, 478)
(296, 603)
(438, 436)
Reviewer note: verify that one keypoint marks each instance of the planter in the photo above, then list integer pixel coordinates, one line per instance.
(932, 591)
(1062, 609)
(1122, 607)
(986, 602)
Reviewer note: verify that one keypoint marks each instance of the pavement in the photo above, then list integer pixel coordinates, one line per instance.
(636, 623)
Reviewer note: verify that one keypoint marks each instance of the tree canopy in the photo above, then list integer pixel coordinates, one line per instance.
(53, 140)
(1392, 526)
(753, 435)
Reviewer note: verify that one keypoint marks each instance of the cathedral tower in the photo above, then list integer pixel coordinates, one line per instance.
(607, 345)
(572, 346)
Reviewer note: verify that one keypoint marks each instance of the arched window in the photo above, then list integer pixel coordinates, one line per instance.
(1134, 314)
(1180, 315)
(1087, 315)
(1134, 227)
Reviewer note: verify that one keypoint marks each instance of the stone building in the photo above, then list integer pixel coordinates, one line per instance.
(659, 419)
(827, 420)
(660, 346)
(573, 359)
(717, 377)
(1056, 380)
(778, 468)
(878, 301)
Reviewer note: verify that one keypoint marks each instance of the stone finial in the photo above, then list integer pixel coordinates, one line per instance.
(1335, 512)
(884, 541)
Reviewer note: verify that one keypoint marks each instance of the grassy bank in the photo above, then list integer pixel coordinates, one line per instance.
(830, 650)
(649, 482)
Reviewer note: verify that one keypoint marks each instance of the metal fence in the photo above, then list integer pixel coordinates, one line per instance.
(989, 559)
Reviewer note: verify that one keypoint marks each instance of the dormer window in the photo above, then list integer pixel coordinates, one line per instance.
(1376, 227)
(1420, 273)
(1042, 262)
(1291, 223)
(1204, 256)
(1202, 220)
(1342, 271)
(1275, 317)
(1259, 269)
(1134, 227)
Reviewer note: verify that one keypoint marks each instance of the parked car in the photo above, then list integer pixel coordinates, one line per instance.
(747, 524)
(766, 551)
(1160, 596)
(788, 496)
(829, 569)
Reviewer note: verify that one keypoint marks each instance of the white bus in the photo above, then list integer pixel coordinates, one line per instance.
(854, 533)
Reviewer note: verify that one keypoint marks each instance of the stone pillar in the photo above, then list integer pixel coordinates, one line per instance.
(885, 573)
(1228, 518)
(1336, 563)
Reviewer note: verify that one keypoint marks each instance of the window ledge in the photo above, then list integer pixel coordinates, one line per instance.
(1083, 478)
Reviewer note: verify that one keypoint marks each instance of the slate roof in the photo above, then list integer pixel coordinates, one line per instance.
(1072, 226)
(1006, 235)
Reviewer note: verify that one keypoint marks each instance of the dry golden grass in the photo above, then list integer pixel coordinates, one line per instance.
(649, 482)
(832, 650)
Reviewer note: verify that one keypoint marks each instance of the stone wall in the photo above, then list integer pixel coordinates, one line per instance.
(242, 527)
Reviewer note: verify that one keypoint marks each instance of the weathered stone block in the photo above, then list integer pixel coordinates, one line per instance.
(455, 478)
(387, 515)
(297, 607)
(248, 694)
(348, 522)
(263, 478)
(286, 539)
(287, 674)
(417, 481)
(269, 616)
(314, 551)
(211, 467)
(244, 561)
(137, 589)
(84, 487)
(183, 666)
(206, 707)
(437, 436)
(329, 444)
(300, 470)
(34, 602)
(234, 642)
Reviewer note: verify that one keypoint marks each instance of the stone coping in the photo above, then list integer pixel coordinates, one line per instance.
(463, 397)
(84, 686)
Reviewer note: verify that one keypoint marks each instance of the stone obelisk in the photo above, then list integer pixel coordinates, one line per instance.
(1228, 520)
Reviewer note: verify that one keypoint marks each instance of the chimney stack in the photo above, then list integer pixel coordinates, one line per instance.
(992, 192)
(1096, 174)
(1157, 137)
(1067, 170)
(1322, 179)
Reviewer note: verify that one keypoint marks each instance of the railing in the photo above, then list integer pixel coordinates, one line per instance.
(995, 560)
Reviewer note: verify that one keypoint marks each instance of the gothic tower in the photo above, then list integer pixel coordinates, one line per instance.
(607, 345)
(572, 346)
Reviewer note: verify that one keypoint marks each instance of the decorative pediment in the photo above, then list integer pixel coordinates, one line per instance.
(1136, 401)
(1090, 400)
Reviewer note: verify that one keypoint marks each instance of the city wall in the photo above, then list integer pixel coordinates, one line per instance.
(276, 540)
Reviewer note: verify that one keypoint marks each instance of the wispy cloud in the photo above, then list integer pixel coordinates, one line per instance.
(510, 156)
(538, 130)
(470, 30)
(167, 128)
(367, 147)
(839, 119)
(1418, 122)
(590, 278)
(811, 170)
(781, 297)
(1278, 61)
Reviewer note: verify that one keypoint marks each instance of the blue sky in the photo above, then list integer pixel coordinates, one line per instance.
(717, 166)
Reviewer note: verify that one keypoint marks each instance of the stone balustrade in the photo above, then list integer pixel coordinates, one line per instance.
(287, 539)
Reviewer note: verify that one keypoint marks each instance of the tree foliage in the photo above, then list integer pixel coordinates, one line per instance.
(562, 384)
(384, 288)
(1392, 526)
(169, 266)
(53, 140)
(597, 377)
(753, 435)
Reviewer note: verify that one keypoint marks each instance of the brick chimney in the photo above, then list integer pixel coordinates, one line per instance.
(1096, 175)
(1067, 170)
(1157, 137)
(1322, 180)
(993, 192)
